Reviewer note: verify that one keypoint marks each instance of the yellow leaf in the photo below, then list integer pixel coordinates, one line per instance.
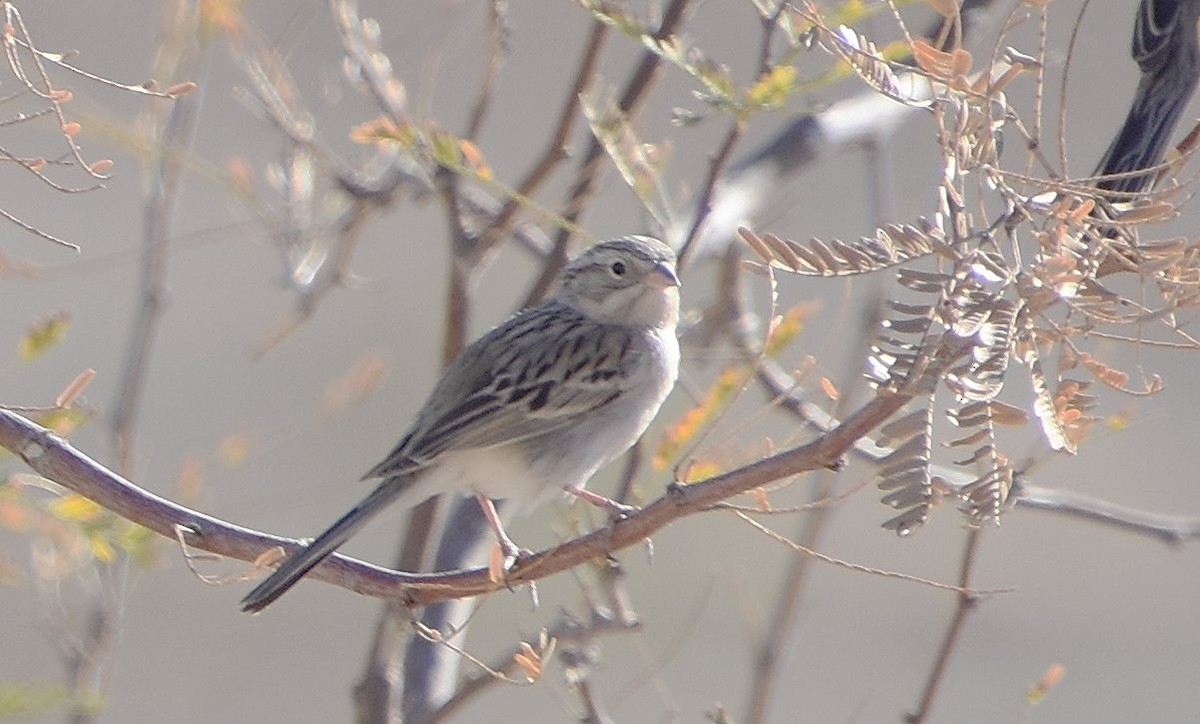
(1045, 685)
(675, 437)
(787, 327)
(702, 469)
(43, 335)
(101, 549)
(773, 87)
(73, 506)
(63, 420)
(233, 449)
(222, 15)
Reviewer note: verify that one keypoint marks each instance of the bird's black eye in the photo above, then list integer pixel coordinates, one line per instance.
(618, 268)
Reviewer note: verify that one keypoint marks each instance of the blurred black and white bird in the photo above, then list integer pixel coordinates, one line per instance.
(1165, 48)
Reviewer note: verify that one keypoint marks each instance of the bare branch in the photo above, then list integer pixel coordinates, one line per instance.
(966, 604)
(55, 459)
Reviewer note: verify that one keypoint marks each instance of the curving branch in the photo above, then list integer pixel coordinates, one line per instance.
(54, 458)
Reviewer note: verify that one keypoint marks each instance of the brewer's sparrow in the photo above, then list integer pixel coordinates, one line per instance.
(536, 405)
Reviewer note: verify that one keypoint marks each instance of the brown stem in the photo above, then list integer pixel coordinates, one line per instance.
(704, 207)
(374, 694)
(497, 34)
(636, 90)
(176, 136)
(787, 604)
(556, 149)
(966, 604)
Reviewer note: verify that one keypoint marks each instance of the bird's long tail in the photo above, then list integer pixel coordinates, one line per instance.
(307, 558)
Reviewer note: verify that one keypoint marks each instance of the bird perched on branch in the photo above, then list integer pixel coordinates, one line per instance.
(536, 405)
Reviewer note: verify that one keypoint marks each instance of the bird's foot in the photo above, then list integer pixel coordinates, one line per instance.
(504, 559)
(617, 510)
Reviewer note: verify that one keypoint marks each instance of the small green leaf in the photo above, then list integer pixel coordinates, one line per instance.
(140, 543)
(446, 151)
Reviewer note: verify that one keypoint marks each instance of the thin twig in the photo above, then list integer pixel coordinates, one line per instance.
(966, 603)
(463, 268)
(787, 604)
(555, 151)
(715, 169)
(719, 162)
(567, 629)
(497, 46)
(1062, 88)
(586, 177)
(38, 232)
(375, 691)
(176, 137)
(860, 568)
(21, 37)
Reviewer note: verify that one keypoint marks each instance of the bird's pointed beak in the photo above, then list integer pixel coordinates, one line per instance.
(662, 276)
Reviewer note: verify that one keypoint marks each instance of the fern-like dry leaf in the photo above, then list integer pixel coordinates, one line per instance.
(866, 60)
(986, 497)
(905, 471)
(892, 245)
(1043, 405)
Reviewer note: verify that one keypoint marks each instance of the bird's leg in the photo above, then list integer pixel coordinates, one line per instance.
(507, 547)
(618, 510)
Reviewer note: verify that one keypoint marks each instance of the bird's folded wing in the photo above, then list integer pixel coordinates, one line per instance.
(572, 376)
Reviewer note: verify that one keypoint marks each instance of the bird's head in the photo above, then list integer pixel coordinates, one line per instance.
(628, 281)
